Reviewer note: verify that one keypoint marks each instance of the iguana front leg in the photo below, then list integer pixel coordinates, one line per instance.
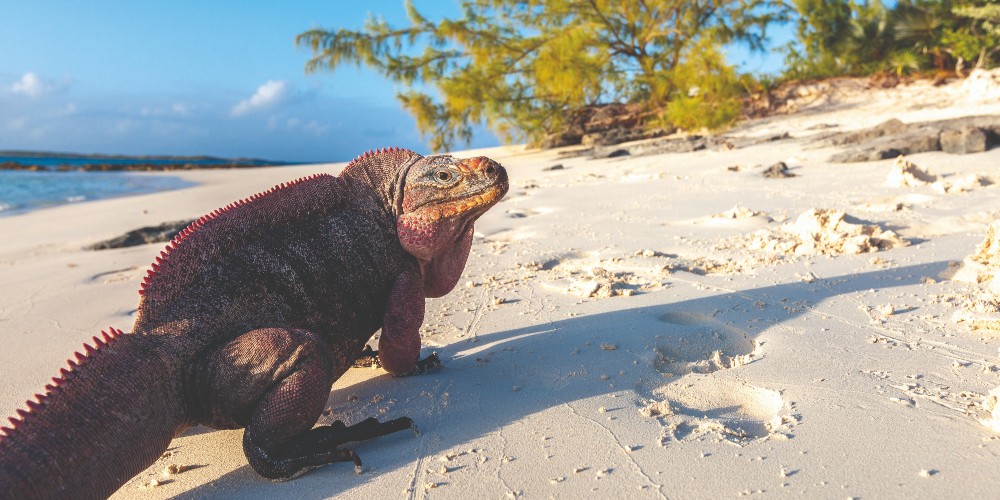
(399, 344)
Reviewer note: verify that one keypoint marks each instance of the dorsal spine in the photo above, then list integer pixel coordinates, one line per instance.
(154, 268)
(106, 339)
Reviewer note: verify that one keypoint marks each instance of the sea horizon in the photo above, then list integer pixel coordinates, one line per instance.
(14, 159)
(32, 180)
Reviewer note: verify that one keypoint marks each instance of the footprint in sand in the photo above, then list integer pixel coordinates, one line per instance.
(697, 343)
(697, 403)
(734, 410)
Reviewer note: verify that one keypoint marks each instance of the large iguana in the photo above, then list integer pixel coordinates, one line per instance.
(249, 316)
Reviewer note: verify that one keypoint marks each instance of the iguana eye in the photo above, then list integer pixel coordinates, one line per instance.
(444, 175)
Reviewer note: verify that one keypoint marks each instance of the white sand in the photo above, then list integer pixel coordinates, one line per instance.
(612, 338)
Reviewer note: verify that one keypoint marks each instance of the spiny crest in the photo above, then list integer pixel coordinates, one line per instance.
(376, 152)
(106, 339)
(154, 268)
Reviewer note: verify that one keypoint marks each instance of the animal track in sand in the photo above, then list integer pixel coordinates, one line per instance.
(705, 406)
(522, 213)
(697, 343)
(117, 275)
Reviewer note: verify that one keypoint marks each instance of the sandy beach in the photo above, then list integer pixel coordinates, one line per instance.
(672, 325)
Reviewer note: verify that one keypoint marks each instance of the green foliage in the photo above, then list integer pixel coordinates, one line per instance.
(871, 38)
(821, 27)
(979, 37)
(988, 15)
(521, 67)
(848, 37)
(903, 62)
(707, 91)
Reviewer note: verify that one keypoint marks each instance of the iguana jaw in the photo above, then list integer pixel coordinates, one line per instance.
(433, 211)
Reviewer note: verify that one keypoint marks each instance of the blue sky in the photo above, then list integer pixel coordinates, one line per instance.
(219, 77)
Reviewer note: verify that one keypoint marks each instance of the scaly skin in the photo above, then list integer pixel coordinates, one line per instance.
(247, 319)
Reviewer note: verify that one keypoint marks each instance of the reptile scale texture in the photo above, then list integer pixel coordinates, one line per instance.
(248, 317)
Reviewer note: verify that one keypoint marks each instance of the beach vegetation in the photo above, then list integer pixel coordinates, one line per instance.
(524, 67)
(858, 38)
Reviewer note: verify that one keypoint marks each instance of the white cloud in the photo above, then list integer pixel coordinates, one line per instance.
(267, 94)
(31, 85)
(174, 110)
(18, 123)
(316, 128)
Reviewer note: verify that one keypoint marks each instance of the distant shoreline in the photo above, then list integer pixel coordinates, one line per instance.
(131, 167)
(43, 161)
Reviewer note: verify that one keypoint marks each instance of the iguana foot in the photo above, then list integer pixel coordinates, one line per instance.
(367, 429)
(339, 434)
(367, 359)
(428, 364)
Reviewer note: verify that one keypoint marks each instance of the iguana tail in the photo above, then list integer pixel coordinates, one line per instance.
(107, 417)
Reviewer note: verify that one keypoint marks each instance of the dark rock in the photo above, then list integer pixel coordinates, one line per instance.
(866, 154)
(557, 166)
(890, 127)
(891, 153)
(964, 140)
(654, 147)
(686, 144)
(144, 236)
(616, 153)
(777, 171)
(739, 142)
(893, 138)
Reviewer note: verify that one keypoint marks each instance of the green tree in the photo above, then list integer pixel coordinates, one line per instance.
(977, 35)
(865, 37)
(871, 38)
(521, 67)
(821, 27)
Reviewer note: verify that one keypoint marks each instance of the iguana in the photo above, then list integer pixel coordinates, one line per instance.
(248, 317)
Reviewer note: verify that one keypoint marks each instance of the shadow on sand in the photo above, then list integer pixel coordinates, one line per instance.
(505, 376)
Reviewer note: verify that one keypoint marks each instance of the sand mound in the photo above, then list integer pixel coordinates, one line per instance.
(588, 276)
(905, 173)
(982, 84)
(959, 185)
(982, 312)
(601, 284)
(738, 212)
(992, 405)
(983, 266)
(825, 232)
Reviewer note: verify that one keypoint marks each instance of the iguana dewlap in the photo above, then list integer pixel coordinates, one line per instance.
(248, 317)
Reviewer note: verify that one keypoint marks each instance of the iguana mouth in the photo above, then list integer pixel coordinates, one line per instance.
(436, 210)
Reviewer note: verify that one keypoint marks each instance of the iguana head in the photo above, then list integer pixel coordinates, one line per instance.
(440, 200)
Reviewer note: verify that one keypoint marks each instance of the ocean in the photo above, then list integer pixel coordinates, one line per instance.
(24, 190)
(21, 191)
